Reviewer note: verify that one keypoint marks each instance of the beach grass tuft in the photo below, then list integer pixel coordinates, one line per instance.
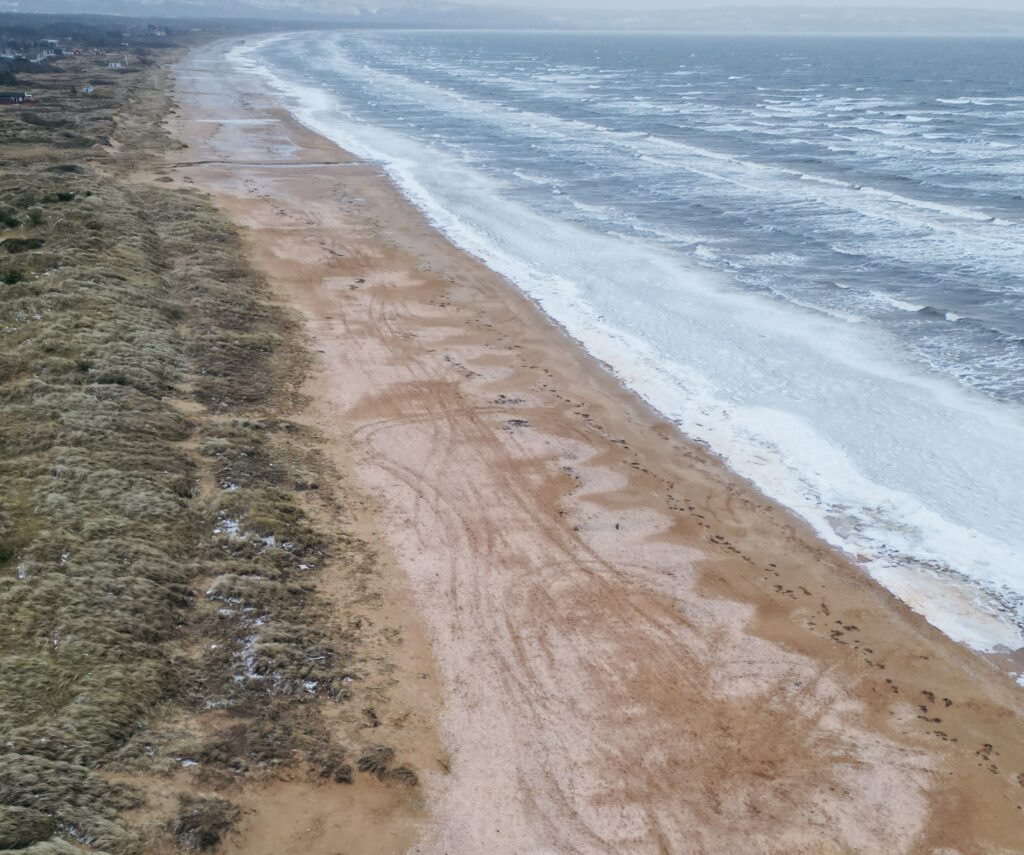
(202, 822)
(159, 554)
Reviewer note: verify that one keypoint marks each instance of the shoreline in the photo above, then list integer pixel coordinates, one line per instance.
(597, 588)
(861, 487)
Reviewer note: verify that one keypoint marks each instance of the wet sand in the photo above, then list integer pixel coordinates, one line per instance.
(634, 650)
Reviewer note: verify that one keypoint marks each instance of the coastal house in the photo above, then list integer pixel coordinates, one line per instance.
(8, 98)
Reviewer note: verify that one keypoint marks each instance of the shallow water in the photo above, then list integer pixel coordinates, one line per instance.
(809, 253)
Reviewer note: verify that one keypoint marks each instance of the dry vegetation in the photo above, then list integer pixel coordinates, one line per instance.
(162, 522)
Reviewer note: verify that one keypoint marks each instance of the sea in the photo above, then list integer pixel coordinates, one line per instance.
(806, 252)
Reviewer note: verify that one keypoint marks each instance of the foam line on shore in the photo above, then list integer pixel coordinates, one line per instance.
(960, 578)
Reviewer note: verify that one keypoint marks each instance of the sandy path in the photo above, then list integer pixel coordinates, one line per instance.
(637, 651)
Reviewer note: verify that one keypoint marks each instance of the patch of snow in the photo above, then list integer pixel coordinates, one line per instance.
(228, 526)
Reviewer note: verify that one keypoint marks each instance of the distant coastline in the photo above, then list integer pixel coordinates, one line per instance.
(795, 20)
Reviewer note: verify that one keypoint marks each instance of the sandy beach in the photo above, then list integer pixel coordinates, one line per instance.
(610, 642)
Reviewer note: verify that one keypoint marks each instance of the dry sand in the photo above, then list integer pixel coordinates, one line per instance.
(634, 650)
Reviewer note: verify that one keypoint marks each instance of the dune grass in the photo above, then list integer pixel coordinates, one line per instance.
(159, 608)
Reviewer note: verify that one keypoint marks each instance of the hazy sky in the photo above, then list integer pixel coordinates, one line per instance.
(946, 16)
(636, 5)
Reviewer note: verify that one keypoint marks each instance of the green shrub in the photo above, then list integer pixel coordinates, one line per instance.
(16, 245)
(21, 827)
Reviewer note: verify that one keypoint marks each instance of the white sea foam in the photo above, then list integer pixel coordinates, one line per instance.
(992, 247)
(895, 302)
(915, 476)
(982, 101)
